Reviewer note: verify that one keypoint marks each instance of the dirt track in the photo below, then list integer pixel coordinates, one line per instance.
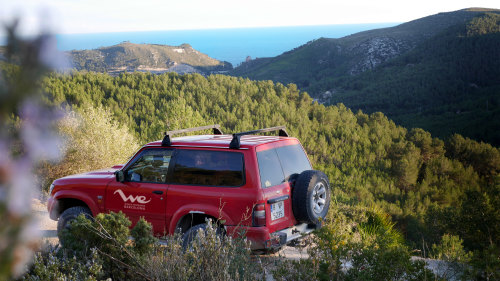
(48, 227)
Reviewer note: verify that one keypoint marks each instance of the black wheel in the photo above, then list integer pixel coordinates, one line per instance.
(311, 197)
(191, 234)
(67, 216)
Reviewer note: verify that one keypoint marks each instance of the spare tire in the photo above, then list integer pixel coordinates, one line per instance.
(311, 197)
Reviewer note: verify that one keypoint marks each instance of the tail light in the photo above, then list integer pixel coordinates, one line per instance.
(259, 215)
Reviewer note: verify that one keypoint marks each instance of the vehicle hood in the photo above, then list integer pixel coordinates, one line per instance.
(89, 178)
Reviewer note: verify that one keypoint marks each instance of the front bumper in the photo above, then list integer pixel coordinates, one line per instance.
(52, 207)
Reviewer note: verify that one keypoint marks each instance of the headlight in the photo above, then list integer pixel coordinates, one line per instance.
(51, 188)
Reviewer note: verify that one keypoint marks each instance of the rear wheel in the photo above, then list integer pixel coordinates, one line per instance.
(311, 197)
(194, 231)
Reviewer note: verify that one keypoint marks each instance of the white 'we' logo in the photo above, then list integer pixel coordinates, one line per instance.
(140, 199)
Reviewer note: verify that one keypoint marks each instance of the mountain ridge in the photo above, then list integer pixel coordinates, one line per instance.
(440, 73)
(154, 58)
(328, 50)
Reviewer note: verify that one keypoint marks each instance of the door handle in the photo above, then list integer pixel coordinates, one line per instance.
(159, 192)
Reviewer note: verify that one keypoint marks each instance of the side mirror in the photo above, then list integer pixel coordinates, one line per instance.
(120, 177)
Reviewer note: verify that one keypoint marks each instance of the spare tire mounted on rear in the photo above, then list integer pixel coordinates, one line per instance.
(311, 197)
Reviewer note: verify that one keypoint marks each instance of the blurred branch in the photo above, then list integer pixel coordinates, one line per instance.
(26, 137)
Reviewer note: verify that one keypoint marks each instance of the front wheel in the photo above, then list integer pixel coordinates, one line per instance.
(69, 215)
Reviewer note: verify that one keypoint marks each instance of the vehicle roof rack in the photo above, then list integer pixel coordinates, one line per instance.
(235, 142)
(168, 134)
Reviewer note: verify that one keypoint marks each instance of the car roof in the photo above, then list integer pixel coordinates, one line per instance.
(222, 141)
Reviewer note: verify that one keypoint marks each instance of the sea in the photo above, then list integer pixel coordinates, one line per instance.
(233, 45)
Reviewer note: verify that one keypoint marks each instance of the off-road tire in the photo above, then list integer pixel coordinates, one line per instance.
(192, 232)
(67, 216)
(311, 197)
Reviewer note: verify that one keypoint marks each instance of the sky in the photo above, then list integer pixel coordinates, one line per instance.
(93, 16)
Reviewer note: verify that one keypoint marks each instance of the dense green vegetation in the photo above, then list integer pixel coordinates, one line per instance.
(440, 73)
(428, 186)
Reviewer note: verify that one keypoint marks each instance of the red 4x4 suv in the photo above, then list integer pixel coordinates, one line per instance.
(263, 184)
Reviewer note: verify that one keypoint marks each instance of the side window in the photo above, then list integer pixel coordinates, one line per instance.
(270, 170)
(152, 166)
(294, 159)
(208, 167)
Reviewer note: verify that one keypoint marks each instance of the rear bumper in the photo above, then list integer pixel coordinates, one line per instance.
(260, 237)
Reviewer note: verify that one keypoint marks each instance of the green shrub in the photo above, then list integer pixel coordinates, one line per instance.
(50, 265)
(109, 234)
(451, 249)
(356, 244)
(210, 257)
(143, 238)
(453, 259)
(380, 226)
(94, 140)
(381, 253)
(485, 264)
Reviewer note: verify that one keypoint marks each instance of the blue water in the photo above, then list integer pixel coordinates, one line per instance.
(232, 45)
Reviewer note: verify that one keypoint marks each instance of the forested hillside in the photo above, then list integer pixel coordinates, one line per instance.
(440, 73)
(449, 84)
(429, 186)
(146, 57)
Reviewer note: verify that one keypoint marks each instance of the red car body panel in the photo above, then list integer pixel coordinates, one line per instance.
(164, 205)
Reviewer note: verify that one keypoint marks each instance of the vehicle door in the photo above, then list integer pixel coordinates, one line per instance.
(209, 179)
(144, 189)
(279, 164)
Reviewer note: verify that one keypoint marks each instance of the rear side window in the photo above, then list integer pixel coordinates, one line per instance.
(210, 168)
(270, 170)
(293, 159)
(278, 164)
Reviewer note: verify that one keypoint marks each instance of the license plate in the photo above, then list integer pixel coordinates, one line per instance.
(277, 210)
